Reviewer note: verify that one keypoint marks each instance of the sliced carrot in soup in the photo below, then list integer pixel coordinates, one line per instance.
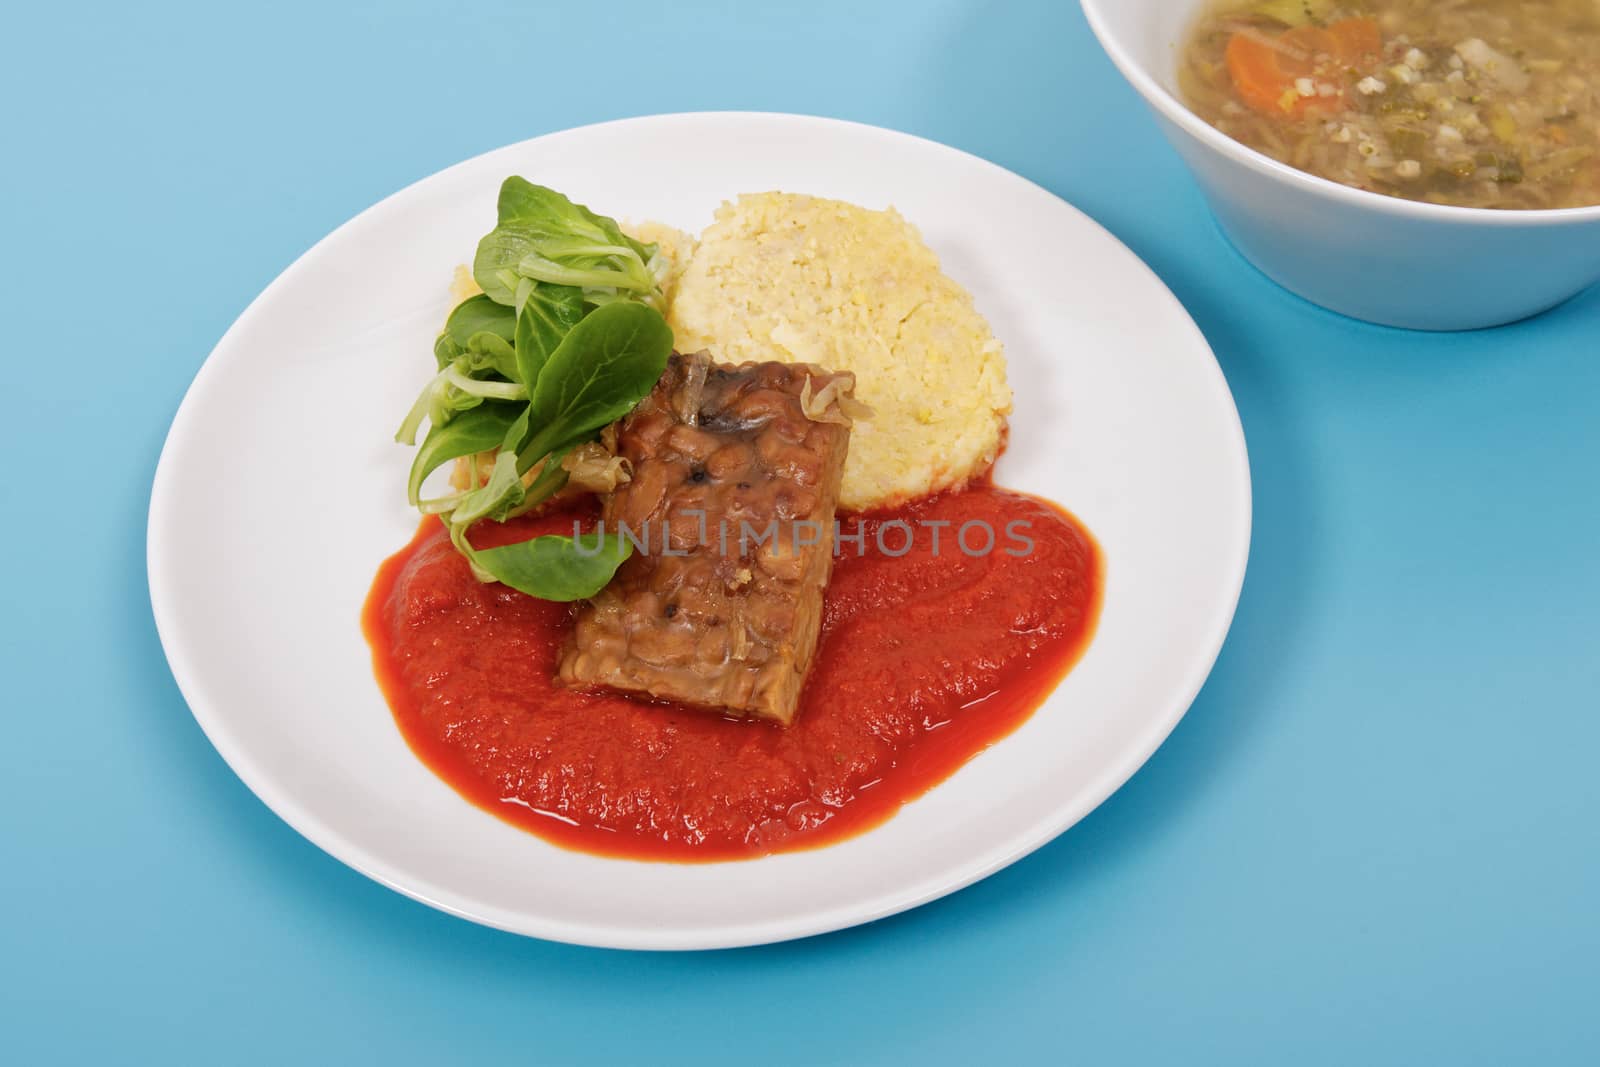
(1257, 77)
(1358, 40)
(1265, 69)
(1302, 47)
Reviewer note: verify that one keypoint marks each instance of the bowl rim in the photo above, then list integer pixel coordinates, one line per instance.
(1168, 104)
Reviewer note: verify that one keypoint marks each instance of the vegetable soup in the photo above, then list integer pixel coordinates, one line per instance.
(1474, 103)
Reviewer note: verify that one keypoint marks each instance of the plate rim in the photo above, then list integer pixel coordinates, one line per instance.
(1056, 821)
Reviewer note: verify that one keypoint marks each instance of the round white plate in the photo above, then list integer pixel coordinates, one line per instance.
(280, 490)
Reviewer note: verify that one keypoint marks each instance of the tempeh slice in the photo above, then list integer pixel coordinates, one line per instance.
(736, 473)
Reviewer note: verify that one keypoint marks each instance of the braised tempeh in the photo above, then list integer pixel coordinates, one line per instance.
(736, 473)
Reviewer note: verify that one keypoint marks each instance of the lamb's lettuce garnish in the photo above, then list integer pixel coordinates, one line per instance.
(478, 430)
(485, 370)
(548, 313)
(474, 315)
(602, 368)
(544, 237)
(558, 568)
(565, 339)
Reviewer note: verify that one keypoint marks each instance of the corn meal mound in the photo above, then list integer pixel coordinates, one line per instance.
(802, 279)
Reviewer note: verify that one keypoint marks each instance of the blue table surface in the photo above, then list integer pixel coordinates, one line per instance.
(1372, 840)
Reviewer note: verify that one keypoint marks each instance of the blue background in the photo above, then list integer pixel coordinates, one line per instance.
(1373, 839)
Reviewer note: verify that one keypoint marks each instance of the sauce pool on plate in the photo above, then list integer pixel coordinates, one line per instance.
(926, 658)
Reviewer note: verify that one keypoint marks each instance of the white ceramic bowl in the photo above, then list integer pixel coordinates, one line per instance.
(1373, 257)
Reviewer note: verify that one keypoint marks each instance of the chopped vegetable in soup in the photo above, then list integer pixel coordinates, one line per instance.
(1476, 103)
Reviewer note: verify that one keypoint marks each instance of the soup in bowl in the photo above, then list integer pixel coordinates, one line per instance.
(1432, 164)
(1475, 103)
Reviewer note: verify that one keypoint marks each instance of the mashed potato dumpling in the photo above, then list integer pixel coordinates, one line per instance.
(802, 279)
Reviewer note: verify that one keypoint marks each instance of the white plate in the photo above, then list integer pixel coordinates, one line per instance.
(280, 491)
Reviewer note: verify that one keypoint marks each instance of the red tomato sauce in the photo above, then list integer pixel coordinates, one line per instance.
(926, 658)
